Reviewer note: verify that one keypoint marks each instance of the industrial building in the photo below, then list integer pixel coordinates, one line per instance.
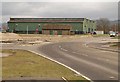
(52, 26)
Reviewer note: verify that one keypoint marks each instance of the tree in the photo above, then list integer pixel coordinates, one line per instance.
(114, 27)
(103, 24)
(4, 26)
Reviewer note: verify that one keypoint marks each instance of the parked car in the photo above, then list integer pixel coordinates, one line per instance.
(112, 34)
(94, 33)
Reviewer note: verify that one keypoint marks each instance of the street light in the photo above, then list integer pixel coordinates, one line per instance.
(14, 30)
(27, 29)
(38, 27)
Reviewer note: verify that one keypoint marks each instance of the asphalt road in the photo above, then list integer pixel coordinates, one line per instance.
(93, 63)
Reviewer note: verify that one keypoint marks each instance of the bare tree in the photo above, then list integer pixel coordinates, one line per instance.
(4, 26)
(103, 24)
(114, 27)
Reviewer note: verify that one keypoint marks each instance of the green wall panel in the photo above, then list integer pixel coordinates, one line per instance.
(51, 32)
(33, 26)
(59, 32)
(76, 26)
(24, 26)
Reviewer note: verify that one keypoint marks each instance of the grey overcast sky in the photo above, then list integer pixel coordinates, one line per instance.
(92, 10)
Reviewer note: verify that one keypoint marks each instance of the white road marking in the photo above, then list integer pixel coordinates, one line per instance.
(75, 52)
(107, 60)
(78, 73)
(59, 46)
(111, 77)
(85, 44)
(64, 79)
(64, 49)
(80, 54)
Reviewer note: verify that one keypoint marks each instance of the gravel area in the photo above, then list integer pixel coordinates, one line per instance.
(9, 36)
(4, 55)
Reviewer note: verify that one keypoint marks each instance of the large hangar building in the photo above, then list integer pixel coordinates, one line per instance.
(52, 26)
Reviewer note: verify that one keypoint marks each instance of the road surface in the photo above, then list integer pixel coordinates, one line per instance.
(93, 63)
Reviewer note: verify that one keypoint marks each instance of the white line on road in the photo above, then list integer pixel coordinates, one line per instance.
(64, 79)
(63, 65)
(85, 44)
(62, 48)
(59, 46)
(80, 54)
(112, 77)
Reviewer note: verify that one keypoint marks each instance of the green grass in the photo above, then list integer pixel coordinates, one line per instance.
(100, 35)
(115, 44)
(116, 37)
(27, 64)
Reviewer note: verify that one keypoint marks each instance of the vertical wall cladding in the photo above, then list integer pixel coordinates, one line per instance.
(59, 32)
(75, 25)
(94, 26)
(46, 32)
(11, 26)
(24, 26)
(89, 25)
(65, 32)
(81, 26)
(85, 26)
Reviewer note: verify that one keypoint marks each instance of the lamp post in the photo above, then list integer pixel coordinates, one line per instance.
(39, 25)
(14, 30)
(27, 29)
(37, 30)
(13, 50)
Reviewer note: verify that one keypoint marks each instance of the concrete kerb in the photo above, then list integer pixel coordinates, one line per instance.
(78, 73)
(64, 79)
(105, 49)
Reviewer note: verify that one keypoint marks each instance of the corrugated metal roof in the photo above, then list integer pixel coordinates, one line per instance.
(57, 26)
(46, 19)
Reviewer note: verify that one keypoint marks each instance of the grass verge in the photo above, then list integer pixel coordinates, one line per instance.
(116, 37)
(100, 35)
(115, 44)
(27, 64)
